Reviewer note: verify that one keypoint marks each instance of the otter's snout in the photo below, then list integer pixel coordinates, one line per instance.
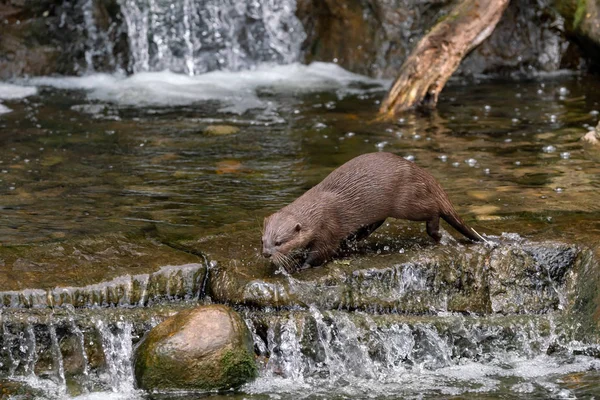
(266, 254)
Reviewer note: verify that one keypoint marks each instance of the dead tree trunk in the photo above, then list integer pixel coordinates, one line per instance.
(435, 58)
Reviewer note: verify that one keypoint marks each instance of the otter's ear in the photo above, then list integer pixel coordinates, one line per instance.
(298, 227)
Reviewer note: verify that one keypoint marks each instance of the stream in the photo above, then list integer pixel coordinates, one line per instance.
(127, 198)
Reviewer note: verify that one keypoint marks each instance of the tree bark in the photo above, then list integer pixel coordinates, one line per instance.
(437, 55)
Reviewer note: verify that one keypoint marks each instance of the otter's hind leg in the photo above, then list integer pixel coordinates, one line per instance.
(433, 229)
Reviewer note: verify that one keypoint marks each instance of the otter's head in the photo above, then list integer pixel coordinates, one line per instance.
(284, 235)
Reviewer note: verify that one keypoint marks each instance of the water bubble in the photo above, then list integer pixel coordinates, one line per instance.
(549, 149)
(507, 140)
(401, 120)
(330, 105)
(443, 157)
(518, 95)
(475, 118)
(386, 248)
(350, 134)
(296, 111)
(381, 145)
(558, 190)
(486, 171)
(456, 164)
(487, 108)
(399, 134)
(410, 157)
(515, 120)
(540, 91)
(471, 162)
(401, 251)
(517, 162)
(417, 137)
(11, 188)
(553, 118)
(594, 113)
(565, 155)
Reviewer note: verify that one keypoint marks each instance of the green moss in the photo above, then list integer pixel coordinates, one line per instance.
(238, 367)
(579, 13)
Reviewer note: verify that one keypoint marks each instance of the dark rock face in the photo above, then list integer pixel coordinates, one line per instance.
(61, 37)
(373, 37)
(582, 24)
(527, 39)
(205, 348)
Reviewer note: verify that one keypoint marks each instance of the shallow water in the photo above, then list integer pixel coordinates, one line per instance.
(503, 150)
(193, 157)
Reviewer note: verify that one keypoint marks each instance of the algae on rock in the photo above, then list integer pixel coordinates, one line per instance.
(206, 348)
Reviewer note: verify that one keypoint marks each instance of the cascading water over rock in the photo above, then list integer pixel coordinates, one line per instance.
(196, 36)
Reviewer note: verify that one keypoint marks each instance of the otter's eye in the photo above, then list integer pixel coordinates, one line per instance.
(278, 243)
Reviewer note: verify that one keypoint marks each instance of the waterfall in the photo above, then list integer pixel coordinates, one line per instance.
(197, 36)
(358, 355)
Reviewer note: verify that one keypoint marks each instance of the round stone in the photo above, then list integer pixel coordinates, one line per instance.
(206, 348)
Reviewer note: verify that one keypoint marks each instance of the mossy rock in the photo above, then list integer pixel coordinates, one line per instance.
(206, 348)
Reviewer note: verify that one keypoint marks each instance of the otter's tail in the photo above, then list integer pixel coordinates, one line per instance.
(457, 223)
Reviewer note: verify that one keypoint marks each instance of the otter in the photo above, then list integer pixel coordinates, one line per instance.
(353, 201)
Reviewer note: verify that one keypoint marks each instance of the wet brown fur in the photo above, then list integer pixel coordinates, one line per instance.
(355, 199)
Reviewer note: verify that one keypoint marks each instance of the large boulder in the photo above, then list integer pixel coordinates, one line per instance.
(206, 348)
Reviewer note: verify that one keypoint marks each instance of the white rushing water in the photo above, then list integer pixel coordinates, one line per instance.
(356, 358)
(13, 92)
(238, 91)
(197, 36)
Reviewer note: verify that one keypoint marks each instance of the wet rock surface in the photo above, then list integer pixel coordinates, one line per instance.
(49, 37)
(582, 23)
(85, 261)
(509, 278)
(205, 348)
(374, 37)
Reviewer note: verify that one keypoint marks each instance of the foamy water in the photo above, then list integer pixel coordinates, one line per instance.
(541, 374)
(238, 91)
(13, 92)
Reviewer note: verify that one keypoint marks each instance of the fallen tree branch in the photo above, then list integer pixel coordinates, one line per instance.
(437, 55)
